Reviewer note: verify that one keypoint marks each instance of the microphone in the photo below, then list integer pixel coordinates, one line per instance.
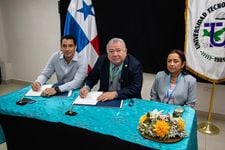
(70, 112)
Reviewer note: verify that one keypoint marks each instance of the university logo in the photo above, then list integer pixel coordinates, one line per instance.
(209, 33)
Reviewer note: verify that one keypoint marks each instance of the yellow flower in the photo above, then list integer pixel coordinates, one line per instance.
(181, 124)
(142, 118)
(161, 128)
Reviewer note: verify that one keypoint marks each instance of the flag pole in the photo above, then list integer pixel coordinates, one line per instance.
(208, 127)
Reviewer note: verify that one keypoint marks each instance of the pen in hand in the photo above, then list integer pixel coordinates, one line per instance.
(84, 91)
(36, 86)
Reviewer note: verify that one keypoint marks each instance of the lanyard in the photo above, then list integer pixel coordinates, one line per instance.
(169, 95)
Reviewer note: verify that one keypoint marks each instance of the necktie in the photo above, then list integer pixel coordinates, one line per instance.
(115, 72)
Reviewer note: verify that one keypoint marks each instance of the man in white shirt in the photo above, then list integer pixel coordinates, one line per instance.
(70, 68)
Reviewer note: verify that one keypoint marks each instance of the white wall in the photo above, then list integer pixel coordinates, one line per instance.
(3, 45)
(30, 32)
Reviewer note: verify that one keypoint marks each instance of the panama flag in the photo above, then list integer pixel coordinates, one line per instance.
(80, 22)
(205, 38)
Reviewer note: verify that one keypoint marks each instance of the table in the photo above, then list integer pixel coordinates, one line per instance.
(44, 124)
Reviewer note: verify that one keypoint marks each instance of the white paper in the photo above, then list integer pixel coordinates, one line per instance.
(90, 99)
(38, 93)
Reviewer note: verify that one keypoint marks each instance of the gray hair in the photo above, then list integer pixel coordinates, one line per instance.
(116, 40)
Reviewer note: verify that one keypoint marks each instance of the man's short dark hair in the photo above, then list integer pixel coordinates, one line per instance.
(69, 37)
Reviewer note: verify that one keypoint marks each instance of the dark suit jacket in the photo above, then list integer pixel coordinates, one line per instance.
(131, 77)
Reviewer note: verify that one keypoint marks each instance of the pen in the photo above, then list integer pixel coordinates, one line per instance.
(87, 87)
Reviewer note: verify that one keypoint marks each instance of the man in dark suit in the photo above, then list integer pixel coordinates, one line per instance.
(120, 74)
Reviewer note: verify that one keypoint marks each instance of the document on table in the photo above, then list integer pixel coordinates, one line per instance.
(38, 93)
(90, 99)
(43, 87)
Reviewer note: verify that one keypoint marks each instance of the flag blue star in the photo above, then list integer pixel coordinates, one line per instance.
(86, 10)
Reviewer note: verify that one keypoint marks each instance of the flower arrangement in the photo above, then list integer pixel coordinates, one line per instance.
(161, 127)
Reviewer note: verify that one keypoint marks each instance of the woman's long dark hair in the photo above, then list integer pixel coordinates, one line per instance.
(182, 57)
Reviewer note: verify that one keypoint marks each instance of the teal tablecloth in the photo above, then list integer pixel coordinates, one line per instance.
(118, 122)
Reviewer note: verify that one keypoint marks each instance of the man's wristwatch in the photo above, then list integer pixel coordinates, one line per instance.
(57, 89)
